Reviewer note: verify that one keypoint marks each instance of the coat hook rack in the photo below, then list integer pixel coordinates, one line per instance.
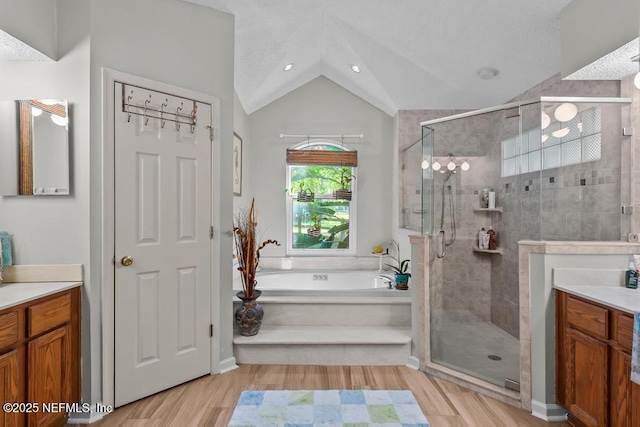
(162, 107)
(146, 107)
(165, 112)
(129, 98)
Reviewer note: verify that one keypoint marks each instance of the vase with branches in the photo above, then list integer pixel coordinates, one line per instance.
(249, 315)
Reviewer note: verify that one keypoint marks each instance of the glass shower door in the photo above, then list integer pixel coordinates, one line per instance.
(474, 330)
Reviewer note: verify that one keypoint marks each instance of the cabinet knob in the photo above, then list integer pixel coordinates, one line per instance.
(126, 261)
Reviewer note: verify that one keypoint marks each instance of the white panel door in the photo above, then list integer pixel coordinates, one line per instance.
(163, 194)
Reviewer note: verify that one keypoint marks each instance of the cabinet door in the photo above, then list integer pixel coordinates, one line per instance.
(50, 374)
(587, 386)
(12, 386)
(625, 410)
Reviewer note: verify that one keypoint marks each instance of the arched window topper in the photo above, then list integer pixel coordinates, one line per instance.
(322, 152)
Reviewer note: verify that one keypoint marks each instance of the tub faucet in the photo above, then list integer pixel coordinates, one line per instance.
(397, 247)
(388, 280)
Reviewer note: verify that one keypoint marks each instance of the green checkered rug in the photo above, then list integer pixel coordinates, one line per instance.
(335, 408)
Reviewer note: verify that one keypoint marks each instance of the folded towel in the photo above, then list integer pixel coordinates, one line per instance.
(635, 353)
(1, 263)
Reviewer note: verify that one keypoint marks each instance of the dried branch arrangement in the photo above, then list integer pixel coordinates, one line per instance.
(247, 248)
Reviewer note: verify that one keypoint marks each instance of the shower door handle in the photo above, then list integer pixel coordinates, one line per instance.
(441, 238)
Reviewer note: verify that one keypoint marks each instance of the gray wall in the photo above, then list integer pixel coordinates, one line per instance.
(321, 107)
(155, 39)
(242, 128)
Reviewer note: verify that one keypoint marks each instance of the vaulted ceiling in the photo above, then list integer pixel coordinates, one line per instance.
(413, 54)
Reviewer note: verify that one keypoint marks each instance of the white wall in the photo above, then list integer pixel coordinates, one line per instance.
(590, 29)
(55, 230)
(32, 22)
(321, 107)
(170, 41)
(242, 127)
(181, 44)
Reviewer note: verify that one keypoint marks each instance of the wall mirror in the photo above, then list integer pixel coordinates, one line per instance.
(34, 147)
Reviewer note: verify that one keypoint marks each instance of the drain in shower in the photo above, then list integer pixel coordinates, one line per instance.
(494, 357)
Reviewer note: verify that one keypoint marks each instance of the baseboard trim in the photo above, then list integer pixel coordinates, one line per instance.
(228, 364)
(97, 412)
(413, 363)
(547, 411)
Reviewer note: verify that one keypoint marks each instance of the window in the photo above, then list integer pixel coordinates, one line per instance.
(560, 144)
(322, 222)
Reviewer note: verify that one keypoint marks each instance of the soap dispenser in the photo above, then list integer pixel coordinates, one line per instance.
(631, 276)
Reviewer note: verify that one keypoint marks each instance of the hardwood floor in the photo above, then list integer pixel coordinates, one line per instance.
(210, 400)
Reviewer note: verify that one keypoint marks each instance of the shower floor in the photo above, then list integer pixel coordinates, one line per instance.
(460, 340)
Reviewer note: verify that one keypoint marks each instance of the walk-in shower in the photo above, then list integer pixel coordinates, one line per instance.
(558, 168)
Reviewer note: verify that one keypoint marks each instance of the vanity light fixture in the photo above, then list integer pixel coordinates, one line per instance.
(436, 166)
(565, 112)
(355, 68)
(60, 121)
(451, 166)
(288, 67)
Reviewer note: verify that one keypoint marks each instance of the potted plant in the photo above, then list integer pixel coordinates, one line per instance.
(344, 182)
(303, 194)
(249, 315)
(402, 275)
(314, 230)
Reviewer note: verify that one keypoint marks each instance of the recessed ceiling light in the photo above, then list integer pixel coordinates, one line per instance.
(355, 68)
(288, 66)
(487, 73)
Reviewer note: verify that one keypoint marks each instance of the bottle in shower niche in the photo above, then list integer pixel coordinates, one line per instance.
(484, 198)
(492, 199)
(491, 240)
(481, 235)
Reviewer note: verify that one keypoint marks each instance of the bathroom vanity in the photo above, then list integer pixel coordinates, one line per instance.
(594, 326)
(39, 351)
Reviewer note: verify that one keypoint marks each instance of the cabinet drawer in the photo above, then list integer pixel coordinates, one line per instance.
(623, 330)
(9, 329)
(49, 314)
(588, 318)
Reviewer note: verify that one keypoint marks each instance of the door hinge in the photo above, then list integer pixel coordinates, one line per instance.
(113, 260)
(210, 133)
(210, 330)
(211, 231)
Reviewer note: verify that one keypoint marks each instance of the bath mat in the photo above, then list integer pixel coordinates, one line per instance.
(339, 408)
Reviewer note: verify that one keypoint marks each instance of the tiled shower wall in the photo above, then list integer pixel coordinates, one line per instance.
(581, 203)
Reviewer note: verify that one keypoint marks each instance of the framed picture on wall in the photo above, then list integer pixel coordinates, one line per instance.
(237, 165)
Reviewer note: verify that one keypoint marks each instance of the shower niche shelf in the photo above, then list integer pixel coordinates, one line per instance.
(498, 209)
(487, 251)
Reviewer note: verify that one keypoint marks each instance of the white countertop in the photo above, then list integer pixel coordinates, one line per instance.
(12, 294)
(619, 297)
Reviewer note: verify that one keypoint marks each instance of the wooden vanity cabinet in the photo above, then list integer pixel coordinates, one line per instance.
(40, 357)
(593, 364)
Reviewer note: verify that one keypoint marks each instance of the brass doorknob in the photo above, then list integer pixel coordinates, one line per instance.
(126, 261)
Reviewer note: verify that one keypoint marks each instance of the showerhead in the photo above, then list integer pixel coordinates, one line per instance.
(449, 173)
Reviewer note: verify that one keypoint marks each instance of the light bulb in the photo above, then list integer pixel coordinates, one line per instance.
(565, 112)
(35, 112)
(355, 68)
(545, 120)
(436, 166)
(465, 166)
(560, 132)
(451, 166)
(636, 80)
(545, 137)
(424, 164)
(288, 67)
